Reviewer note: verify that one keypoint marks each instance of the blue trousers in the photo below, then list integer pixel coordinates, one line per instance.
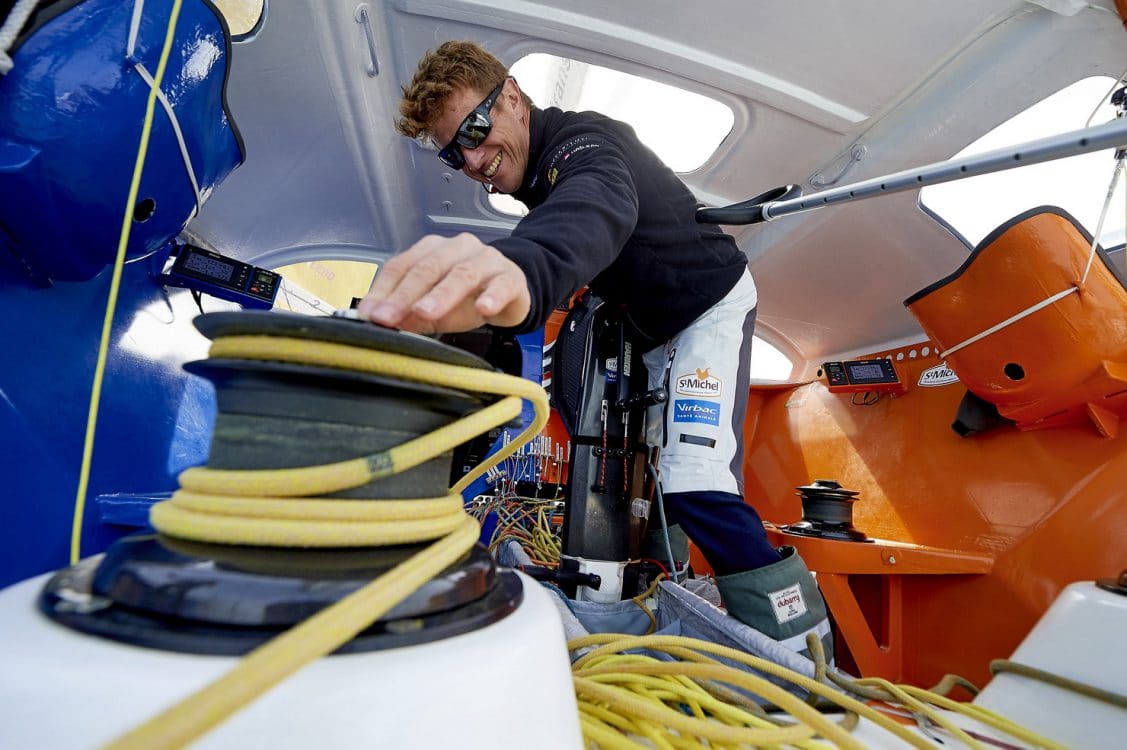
(727, 530)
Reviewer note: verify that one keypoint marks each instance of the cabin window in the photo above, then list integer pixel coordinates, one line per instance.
(975, 206)
(768, 363)
(684, 142)
(320, 287)
(242, 16)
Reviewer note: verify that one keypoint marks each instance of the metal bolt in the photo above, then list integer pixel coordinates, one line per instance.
(447, 205)
(892, 559)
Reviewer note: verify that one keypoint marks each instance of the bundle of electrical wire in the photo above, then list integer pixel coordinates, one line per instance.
(533, 524)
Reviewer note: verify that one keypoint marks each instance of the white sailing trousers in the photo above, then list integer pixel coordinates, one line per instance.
(700, 426)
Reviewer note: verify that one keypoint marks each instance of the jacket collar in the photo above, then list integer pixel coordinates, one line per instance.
(539, 123)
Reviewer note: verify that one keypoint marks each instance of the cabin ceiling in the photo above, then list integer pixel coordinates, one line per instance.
(326, 176)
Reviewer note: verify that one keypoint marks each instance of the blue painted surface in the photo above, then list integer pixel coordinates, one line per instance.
(70, 121)
(155, 420)
(71, 112)
(532, 367)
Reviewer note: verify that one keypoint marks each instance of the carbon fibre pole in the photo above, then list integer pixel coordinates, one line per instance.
(780, 202)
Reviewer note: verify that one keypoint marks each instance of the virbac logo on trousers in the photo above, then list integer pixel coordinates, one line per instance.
(697, 412)
(699, 383)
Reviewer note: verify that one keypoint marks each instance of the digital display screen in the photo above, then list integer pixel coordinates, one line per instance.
(869, 372)
(866, 372)
(209, 267)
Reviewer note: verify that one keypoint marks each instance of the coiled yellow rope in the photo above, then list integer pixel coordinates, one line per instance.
(676, 704)
(314, 480)
(259, 508)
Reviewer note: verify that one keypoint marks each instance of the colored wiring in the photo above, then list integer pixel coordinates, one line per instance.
(533, 523)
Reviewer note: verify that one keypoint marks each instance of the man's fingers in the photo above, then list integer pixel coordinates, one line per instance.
(490, 287)
(375, 305)
(407, 277)
(505, 300)
(486, 291)
(447, 284)
(460, 284)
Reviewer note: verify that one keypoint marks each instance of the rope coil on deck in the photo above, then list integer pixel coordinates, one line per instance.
(625, 695)
(280, 508)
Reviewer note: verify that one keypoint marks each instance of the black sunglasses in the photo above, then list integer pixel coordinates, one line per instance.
(472, 132)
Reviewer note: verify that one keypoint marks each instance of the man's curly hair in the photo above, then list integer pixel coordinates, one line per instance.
(454, 65)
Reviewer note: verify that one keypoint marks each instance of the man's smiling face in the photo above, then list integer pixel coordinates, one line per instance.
(502, 158)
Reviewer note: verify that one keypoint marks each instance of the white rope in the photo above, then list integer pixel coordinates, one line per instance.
(1059, 295)
(17, 17)
(1103, 215)
(134, 25)
(130, 48)
(1009, 321)
(175, 129)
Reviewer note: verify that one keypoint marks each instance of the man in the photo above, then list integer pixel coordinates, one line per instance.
(607, 213)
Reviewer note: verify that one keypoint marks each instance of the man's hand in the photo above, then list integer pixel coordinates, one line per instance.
(447, 284)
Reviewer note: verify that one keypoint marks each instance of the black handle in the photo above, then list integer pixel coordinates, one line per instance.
(644, 399)
(563, 577)
(749, 211)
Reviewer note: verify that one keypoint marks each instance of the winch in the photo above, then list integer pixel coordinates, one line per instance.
(827, 511)
(322, 523)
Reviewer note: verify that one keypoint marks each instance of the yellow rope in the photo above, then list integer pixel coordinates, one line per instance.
(880, 690)
(310, 525)
(273, 662)
(640, 600)
(1064, 683)
(115, 285)
(589, 683)
(695, 663)
(258, 507)
(621, 696)
(334, 477)
(985, 716)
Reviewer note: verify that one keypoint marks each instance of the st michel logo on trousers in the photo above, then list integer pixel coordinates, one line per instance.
(700, 382)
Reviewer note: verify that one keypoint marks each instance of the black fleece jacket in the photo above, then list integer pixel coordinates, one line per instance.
(605, 212)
